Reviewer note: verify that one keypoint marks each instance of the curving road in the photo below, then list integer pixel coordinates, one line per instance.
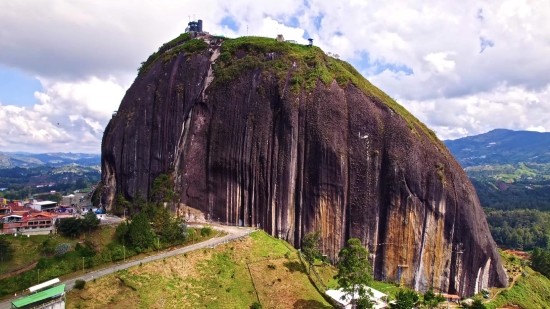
(232, 234)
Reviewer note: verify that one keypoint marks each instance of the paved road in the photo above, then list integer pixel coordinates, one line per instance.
(232, 234)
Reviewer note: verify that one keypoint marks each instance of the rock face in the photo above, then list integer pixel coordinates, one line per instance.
(251, 143)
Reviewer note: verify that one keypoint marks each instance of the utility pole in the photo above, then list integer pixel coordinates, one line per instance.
(158, 244)
(82, 264)
(38, 276)
(124, 253)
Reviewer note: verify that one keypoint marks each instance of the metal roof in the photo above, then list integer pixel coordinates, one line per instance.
(42, 285)
(55, 291)
(44, 203)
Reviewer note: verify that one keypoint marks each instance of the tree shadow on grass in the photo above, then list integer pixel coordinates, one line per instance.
(310, 304)
(294, 266)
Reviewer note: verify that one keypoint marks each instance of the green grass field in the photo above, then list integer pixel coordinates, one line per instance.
(258, 268)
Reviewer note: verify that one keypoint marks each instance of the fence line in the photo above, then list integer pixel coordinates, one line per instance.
(253, 284)
(311, 267)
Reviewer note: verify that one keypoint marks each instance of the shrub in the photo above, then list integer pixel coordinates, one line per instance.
(71, 227)
(79, 284)
(62, 249)
(206, 231)
(48, 245)
(43, 263)
(256, 305)
(121, 232)
(195, 45)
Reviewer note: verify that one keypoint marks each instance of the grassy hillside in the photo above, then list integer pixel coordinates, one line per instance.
(26, 251)
(257, 268)
(98, 250)
(531, 291)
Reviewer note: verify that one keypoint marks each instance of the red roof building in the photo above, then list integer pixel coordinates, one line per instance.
(28, 222)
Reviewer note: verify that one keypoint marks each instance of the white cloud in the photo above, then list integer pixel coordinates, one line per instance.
(504, 107)
(69, 117)
(440, 62)
(476, 65)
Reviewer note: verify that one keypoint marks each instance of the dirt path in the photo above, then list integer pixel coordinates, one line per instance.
(511, 285)
(18, 271)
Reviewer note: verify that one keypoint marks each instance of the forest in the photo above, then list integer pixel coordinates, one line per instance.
(522, 229)
(510, 196)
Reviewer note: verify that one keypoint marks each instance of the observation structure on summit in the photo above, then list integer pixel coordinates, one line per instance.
(195, 26)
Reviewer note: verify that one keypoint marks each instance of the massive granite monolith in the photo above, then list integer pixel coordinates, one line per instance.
(285, 138)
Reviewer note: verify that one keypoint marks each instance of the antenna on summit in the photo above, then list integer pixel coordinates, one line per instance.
(189, 17)
(193, 16)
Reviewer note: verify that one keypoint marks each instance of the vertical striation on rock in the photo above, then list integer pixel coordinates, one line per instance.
(248, 141)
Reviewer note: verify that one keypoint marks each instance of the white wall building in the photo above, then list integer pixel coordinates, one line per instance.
(346, 303)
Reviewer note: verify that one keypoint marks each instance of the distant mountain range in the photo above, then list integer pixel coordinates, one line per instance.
(25, 159)
(501, 146)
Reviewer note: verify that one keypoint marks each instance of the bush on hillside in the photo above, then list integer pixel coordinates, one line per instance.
(62, 249)
(70, 227)
(79, 284)
(256, 305)
(206, 231)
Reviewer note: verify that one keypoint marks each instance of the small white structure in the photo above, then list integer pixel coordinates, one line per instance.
(378, 297)
(43, 285)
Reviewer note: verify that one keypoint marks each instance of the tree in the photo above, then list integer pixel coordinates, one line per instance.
(310, 246)
(5, 249)
(48, 245)
(405, 299)
(90, 221)
(120, 204)
(95, 195)
(431, 300)
(70, 227)
(355, 272)
(121, 232)
(139, 232)
(162, 190)
(540, 261)
(168, 226)
(477, 304)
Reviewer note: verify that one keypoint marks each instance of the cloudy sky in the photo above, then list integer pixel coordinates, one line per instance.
(462, 67)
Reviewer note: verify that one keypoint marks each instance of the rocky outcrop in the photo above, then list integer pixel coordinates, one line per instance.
(249, 141)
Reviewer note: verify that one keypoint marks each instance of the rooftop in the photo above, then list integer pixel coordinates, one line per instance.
(42, 285)
(44, 203)
(40, 296)
(377, 296)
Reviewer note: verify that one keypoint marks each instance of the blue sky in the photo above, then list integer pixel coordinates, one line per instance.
(463, 68)
(17, 87)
